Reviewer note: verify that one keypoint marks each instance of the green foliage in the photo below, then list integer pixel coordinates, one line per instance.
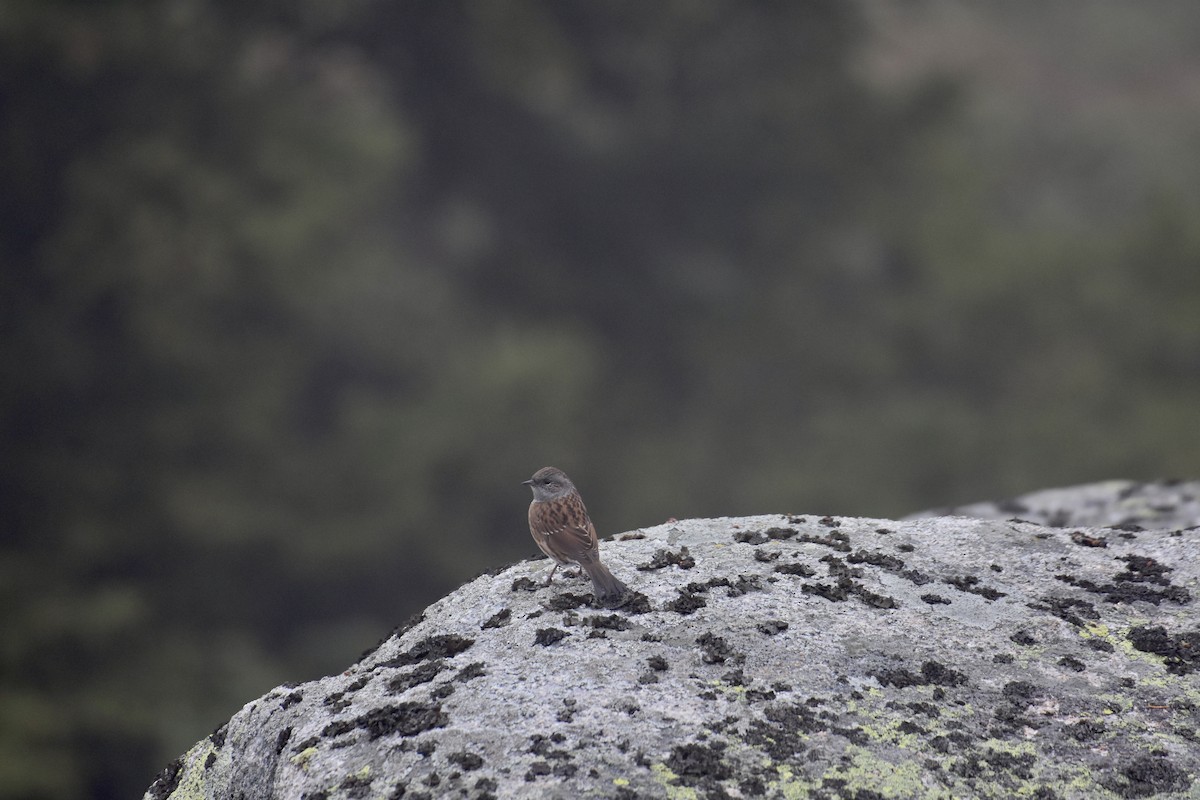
(294, 295)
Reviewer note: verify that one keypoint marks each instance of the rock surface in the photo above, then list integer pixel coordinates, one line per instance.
(776, 656)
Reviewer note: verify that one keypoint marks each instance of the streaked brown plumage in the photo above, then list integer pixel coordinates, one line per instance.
(562, 529)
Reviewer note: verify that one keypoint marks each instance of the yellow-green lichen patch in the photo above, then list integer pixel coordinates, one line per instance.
(866, 771)
(192, 781)
(301, 759)
(670, 781)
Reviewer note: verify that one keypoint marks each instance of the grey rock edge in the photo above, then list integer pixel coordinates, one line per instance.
(775, 656)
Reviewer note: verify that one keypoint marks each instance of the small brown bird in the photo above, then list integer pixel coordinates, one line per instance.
(563, 530)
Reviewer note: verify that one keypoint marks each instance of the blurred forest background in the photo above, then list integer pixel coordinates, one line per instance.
(294, 294)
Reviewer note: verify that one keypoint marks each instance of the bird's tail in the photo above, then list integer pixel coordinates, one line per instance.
(609, 589)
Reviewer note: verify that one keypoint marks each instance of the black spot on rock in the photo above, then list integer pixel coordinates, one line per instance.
(548, 636)
(167, 781)
(935, 599)
(282, 739)
(657, 663)
(803, 570)
(766, 556)
(292, 699)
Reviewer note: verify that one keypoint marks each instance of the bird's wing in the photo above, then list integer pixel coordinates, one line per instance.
(564, 530)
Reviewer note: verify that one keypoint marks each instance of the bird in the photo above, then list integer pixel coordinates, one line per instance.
(562, 529)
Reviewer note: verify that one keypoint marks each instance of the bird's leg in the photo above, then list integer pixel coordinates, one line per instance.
(550, 577)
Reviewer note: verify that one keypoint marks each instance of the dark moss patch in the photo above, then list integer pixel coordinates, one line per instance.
(971, 585)
(470, 672)
(783, 729)
(356, 787)
(422, 674)
(1147, 776)
(698, 764)
(612, 622)
(1181, 652)
(935, 599)
(468, 762)
(1087, 540)
(440, 646)
(714, 649)
(835, 540)
(405, 719)
(781, 534)
(744, 585)
(311, 741)
(1084, 730)
(803, 570)
(217, 737)
(282, 739)
(657, 663)
(1023, 638)
(567, 712)
(1068, 609)
(666, 558)
(772, 627)
(932, 673)
(1137, 582)
(876, 559)
(291, 699)
(766, 556)
(845, 588)
(167, 781)
(497, 620)
(915, 576)
(548, 636)
(688, 602)
(525, 585)
(1073, 664)
(1101, 645)
(1143, 568)
(567, 601)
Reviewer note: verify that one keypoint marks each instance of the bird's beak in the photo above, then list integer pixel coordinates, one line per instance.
(527, 483)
